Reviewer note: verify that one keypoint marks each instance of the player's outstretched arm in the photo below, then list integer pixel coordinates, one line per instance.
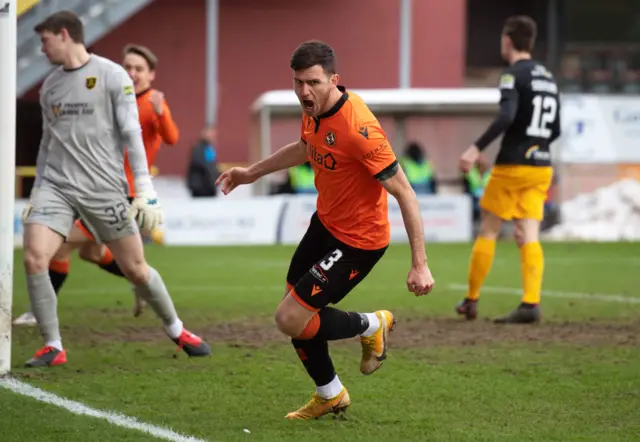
(290, 155)
(420, 280)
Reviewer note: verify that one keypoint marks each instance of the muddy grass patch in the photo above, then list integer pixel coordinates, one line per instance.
(412, 333)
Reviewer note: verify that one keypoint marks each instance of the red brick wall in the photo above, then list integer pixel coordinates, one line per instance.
(256, 40)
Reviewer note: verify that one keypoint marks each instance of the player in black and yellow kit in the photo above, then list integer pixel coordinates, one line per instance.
(530, 119)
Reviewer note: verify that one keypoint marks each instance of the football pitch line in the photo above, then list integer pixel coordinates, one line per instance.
(80, 409)
(283, 264)
(605, 297)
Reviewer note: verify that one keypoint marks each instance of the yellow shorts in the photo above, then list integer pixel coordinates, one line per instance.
(517, 191)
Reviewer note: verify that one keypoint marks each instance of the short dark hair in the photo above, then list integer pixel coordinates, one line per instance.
(144, 52)
(522, 30)
(314, 52)
(60, 20)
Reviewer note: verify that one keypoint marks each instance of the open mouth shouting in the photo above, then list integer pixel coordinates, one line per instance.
(308, 106)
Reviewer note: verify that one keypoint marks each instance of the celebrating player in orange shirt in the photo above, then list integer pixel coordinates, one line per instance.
(157, 127)
(354, 169)
(155, 116)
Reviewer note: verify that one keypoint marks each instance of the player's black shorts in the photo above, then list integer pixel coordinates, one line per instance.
(324, 270)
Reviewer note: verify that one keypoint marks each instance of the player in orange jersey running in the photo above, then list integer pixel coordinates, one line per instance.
(157, 127)
(354, 168)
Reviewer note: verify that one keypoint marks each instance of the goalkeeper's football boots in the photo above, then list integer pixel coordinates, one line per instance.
(47, 357)
(374, 347)
(523, 314)
(319, 406)
(467, 308)
(192, 345)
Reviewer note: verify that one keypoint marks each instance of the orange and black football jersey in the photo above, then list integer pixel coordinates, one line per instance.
(350, 153)
(156, 129)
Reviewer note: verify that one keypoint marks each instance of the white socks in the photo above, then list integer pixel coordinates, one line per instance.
(331, 390)
(374, 324)
(57, 344)
(175, 329)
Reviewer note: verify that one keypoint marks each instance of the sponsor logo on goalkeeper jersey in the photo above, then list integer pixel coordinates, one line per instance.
(72, 109)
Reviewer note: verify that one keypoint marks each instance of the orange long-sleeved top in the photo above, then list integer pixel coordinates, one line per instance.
(156, 129)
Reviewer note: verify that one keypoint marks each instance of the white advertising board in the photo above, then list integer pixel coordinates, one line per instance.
(599, 129)
(446, 218)
(623, 118)
(283, 219)
(206, 221)
(216, 221)
(585, 137)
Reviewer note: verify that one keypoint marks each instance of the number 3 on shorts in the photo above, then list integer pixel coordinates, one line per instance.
(331, 260)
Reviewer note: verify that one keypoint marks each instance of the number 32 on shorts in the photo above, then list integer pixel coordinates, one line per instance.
(117, 214)
(331, 260)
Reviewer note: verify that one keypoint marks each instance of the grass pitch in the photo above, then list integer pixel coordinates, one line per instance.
(573, 377)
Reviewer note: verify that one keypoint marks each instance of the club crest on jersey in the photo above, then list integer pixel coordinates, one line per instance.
(330, 139)
(90, 82)
(55, 109)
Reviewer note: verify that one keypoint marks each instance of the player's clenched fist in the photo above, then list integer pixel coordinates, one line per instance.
(147, 212)
(420, 281)
(156, 98)
(234, 177)
(468, 158)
